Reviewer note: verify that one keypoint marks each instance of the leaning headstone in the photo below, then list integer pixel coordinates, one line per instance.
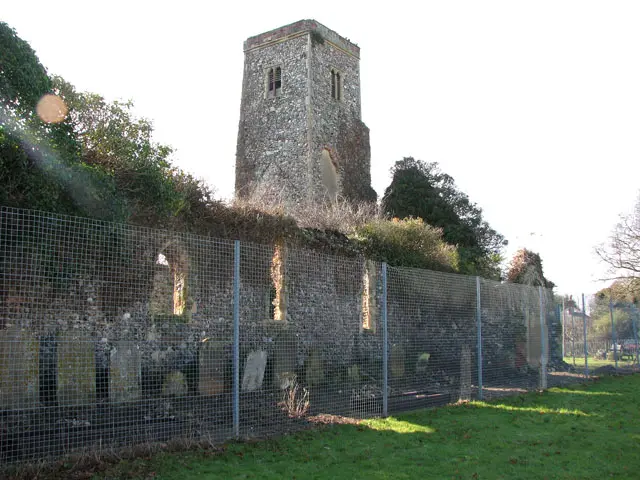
(284, 360)
(534, 348)
(422, 365)
(353, 374)
(314, 368)
(174, 385)
(465, 373)
(254, 371)
(212, 362)
(124, 372)
(18, 368)
(76, 370)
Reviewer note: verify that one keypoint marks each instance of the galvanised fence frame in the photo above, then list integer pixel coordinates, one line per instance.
(113, 335)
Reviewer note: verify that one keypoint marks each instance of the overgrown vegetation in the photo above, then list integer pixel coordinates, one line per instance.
(526, 268)
(409, 242)
(295, 400)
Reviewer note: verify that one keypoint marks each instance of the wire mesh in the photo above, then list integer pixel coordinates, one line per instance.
(110, 335)
(513, 340)
(433, 338)
(113, 335)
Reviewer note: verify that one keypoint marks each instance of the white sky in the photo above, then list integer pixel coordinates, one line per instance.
(532, 107)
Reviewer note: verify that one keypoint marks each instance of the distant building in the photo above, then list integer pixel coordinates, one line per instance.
(300, 134)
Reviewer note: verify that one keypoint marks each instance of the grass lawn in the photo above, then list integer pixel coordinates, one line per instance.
(599, 362)
(581, 432)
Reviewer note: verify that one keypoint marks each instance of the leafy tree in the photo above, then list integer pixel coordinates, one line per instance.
(40, 164)
(622, 294)
(625, 290)
(623, 324)
(419, 189)
(526, 268)
(114, 141)
(622, 252)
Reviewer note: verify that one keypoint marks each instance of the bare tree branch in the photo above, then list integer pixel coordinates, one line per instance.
(622, 251)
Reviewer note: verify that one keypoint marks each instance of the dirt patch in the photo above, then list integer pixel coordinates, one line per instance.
(326, 419)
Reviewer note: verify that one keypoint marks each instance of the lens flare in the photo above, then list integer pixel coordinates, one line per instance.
(52, 109)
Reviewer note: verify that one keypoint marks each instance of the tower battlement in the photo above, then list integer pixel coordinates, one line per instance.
(301, 27)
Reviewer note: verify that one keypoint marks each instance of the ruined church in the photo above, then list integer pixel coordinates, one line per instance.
(301, 136)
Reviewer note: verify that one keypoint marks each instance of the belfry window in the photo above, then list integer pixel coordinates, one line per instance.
(274, 81)
(336, 84)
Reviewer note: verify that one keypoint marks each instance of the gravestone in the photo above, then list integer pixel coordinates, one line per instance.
(397, 361)
(174, 385)
(353, 374)
(534, 347)
(284, 360)
(212, 362)
(124, 372)
(18, 368)
(254, 371)
(314, 368)
(76, 369)
(465, 373)
(422, 365)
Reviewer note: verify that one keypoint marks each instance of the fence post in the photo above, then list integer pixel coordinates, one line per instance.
(559, 318)
(543, 359)
(613, 334)
(479, 330)
(573, 337)
(634, 317)
(586, 349)
(236, 339)
(385, 345)
(563, 329)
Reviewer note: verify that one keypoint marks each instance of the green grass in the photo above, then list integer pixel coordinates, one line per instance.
(583, 432)
(598, 362)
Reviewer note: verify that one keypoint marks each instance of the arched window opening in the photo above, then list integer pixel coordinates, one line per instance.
(170, 295)
(330, 177)
(336, 84)
(277, 291)
(368, 296)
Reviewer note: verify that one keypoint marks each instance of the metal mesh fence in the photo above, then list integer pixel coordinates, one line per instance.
(601, 333)
(432, 338)
(114, 335)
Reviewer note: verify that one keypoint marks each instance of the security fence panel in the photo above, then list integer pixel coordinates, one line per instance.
(432, 338)
(333, 311)
(105, 335)
(115, 335)
(574, 334)
(266, 347)
(514, 348)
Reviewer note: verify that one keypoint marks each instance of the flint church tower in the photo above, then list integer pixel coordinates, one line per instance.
(300, 135)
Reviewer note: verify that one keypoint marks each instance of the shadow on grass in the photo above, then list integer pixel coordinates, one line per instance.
(583, 432)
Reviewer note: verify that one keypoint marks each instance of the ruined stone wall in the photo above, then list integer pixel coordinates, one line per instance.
(84, 329)
(128, 333)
